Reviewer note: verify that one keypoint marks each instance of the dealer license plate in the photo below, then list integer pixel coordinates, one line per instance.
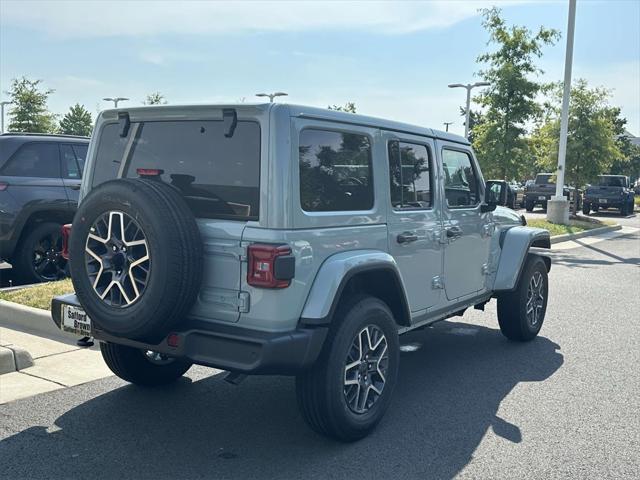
(75, 320)
(542, 198)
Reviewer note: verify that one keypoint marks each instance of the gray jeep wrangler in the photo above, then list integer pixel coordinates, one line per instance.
(288, 240)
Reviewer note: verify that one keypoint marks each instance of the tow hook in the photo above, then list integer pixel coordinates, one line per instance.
(235, 378)
(85, 342)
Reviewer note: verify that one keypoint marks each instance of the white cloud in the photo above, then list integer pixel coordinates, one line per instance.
(66, 18)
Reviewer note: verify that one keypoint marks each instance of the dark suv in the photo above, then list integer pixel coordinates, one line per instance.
(611, 191)
(39, 185)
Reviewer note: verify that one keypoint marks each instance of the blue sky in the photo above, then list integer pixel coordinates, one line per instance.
(394, 60)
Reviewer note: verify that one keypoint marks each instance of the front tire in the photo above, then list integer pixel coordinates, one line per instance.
(521, 312)
(586, 209)
(348, 390)
(140, 367)
(529, 206)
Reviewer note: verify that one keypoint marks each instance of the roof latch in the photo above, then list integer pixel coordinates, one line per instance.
(230, 119)
(124, 123)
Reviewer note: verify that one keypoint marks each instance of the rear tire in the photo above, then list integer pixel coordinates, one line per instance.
(331, 406)
(586, 209)
(135, 366)
(38, 256)
(529, 206)
(521, 312)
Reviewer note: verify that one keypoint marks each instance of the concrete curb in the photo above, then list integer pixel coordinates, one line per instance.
(30, 320)
(13, 358)
(586, 233)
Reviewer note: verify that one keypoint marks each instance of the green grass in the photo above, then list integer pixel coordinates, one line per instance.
(636, 200)
(39, 296)
(575, 226)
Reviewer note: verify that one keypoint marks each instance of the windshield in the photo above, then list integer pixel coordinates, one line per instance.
(218, 176)
(611, 181)
(544, 178)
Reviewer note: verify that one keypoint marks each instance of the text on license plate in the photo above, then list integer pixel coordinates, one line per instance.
(75, 320)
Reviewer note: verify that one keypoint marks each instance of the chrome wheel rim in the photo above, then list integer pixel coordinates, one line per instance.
(535, 299)
(117, 259)
(365, 370)
(158, 358)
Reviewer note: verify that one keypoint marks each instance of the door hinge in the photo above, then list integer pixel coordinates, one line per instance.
(486, 269)
(244, 301)
(437, 282)
(488, 229)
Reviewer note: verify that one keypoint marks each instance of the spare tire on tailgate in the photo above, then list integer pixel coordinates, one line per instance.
(136, 258)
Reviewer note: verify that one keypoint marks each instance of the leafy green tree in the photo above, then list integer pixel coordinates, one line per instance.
(509, 103)
(155, 98)
(592, 142)
(29, 112)
(77, 121)
(347, 107)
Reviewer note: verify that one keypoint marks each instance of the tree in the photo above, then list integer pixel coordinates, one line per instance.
(155, 98)
(509, 102)
(77, 121)
(29, 112)
(347, 107)
(593, 139)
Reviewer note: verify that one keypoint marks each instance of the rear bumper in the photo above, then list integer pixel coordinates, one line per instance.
(228, 347)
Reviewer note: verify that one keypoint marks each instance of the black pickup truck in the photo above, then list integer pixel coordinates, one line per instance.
(544, 187)
(611, 191)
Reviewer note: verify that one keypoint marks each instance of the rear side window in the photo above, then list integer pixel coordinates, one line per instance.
(34, 160)
(461, 181)
(409, 174)
(81, 155)
(335, 171)
(218, 176)
(70, 167)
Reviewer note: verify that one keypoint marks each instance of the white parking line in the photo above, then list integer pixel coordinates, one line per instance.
(594, 239)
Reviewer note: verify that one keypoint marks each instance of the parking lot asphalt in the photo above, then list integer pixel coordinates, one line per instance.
(468, 403)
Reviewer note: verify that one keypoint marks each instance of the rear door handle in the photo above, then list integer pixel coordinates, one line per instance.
(454, 232)
(407, 237)
(74, 187)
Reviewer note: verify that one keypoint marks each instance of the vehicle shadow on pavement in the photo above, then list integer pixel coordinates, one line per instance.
(446, 399)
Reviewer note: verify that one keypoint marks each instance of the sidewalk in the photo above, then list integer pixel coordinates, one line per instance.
(57, 364)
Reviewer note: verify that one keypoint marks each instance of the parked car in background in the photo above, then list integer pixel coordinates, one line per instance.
(509, 194)
(543, 188)
(39, 185)
(611, 191)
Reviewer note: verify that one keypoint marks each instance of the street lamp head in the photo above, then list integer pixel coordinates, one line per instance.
(456, 85)
(481, 84)
(280, 94)
(261, 95)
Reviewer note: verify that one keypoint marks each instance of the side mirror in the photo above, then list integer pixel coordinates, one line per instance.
(492, 194)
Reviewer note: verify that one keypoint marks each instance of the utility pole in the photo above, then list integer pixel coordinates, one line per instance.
(2, 104)
(469, 87)
(115, 100)
(272, 95)
(558, 206)
(446, 125)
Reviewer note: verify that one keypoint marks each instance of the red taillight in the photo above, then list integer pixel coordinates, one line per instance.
(66, 232)
(3, 186)
(149, 172)
(270, 266)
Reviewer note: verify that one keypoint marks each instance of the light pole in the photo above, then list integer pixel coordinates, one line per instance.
(558, 206)
(115, 100)
(2, 104)
(272, 95)
(469, 87)
(446, 125)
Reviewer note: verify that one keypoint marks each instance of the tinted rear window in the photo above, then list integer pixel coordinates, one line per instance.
(335, 171)
(545, 179)
(218, 176)
(34, 160)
